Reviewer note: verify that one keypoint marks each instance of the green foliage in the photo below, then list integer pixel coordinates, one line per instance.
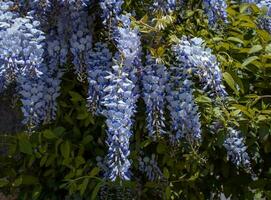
(60, 160)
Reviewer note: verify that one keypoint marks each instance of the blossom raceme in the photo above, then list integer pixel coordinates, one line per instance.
(129, 47)
(119, 102)
(154, 80)
(265, 21)
(111, 11)
(193, 54)
(185, 119)
(81, 38)
(32, 97)
(99, 64)
(164, 6)
(236, 149)
(150, 168)
(128, 43)
(6, 20)
(22, 44)
(196, 57)
(216, 10)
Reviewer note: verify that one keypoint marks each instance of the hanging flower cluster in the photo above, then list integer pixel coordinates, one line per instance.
(81, 37)
(154, 80)
(163, 6)
(200, 60)
(99, 64)
(21, 50)
(216, 11)
(150, 168)
(265, 21)
(119, 103)
(183, 110)
(111, 10)
(120, 100)
(236, 149)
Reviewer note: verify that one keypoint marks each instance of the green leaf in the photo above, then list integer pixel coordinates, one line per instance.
(161, 148)
(43, 160)
(244, 109)
(83, 186)
(166, 173)
(268, 48)
(168, 192)
(235, 39)
(82, 116)
(160, 51)
(230, 81)
(3, 182)
(75, 96)
(87, 140)
(79, 160)
(48, 134)
(94, 171)
(96, 190)
(238, 81)
(249, 60)
(65, 149)
(25, 146)
(255, 49)
(203, 99)
(59, 131)
(243, 8)
(18, 181)
(145, 143)
(29, 180)
(36, 193)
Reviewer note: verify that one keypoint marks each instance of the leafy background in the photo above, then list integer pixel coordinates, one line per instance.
(59, 160)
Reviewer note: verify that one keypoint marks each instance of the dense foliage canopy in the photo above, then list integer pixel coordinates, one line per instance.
(165, 99)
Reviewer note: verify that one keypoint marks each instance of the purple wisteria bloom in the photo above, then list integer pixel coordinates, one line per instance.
(216, 10)
(120, 100)
(236, 149)
(154, 80)
(193, 54)
(99, 64)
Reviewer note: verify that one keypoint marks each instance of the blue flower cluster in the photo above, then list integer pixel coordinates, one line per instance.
(99, 64)
(163, 6)
(129, 46)
(120, 100)
(149, 166)
(111, 11)
(6, 65)
(24, 60)
(32, 98)
(265, 21)
(200, 60)
(216, 11)
(154, 80)
(81, 37)
(183, 110)
(236, 149)
(21, 55)
(52, 83)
